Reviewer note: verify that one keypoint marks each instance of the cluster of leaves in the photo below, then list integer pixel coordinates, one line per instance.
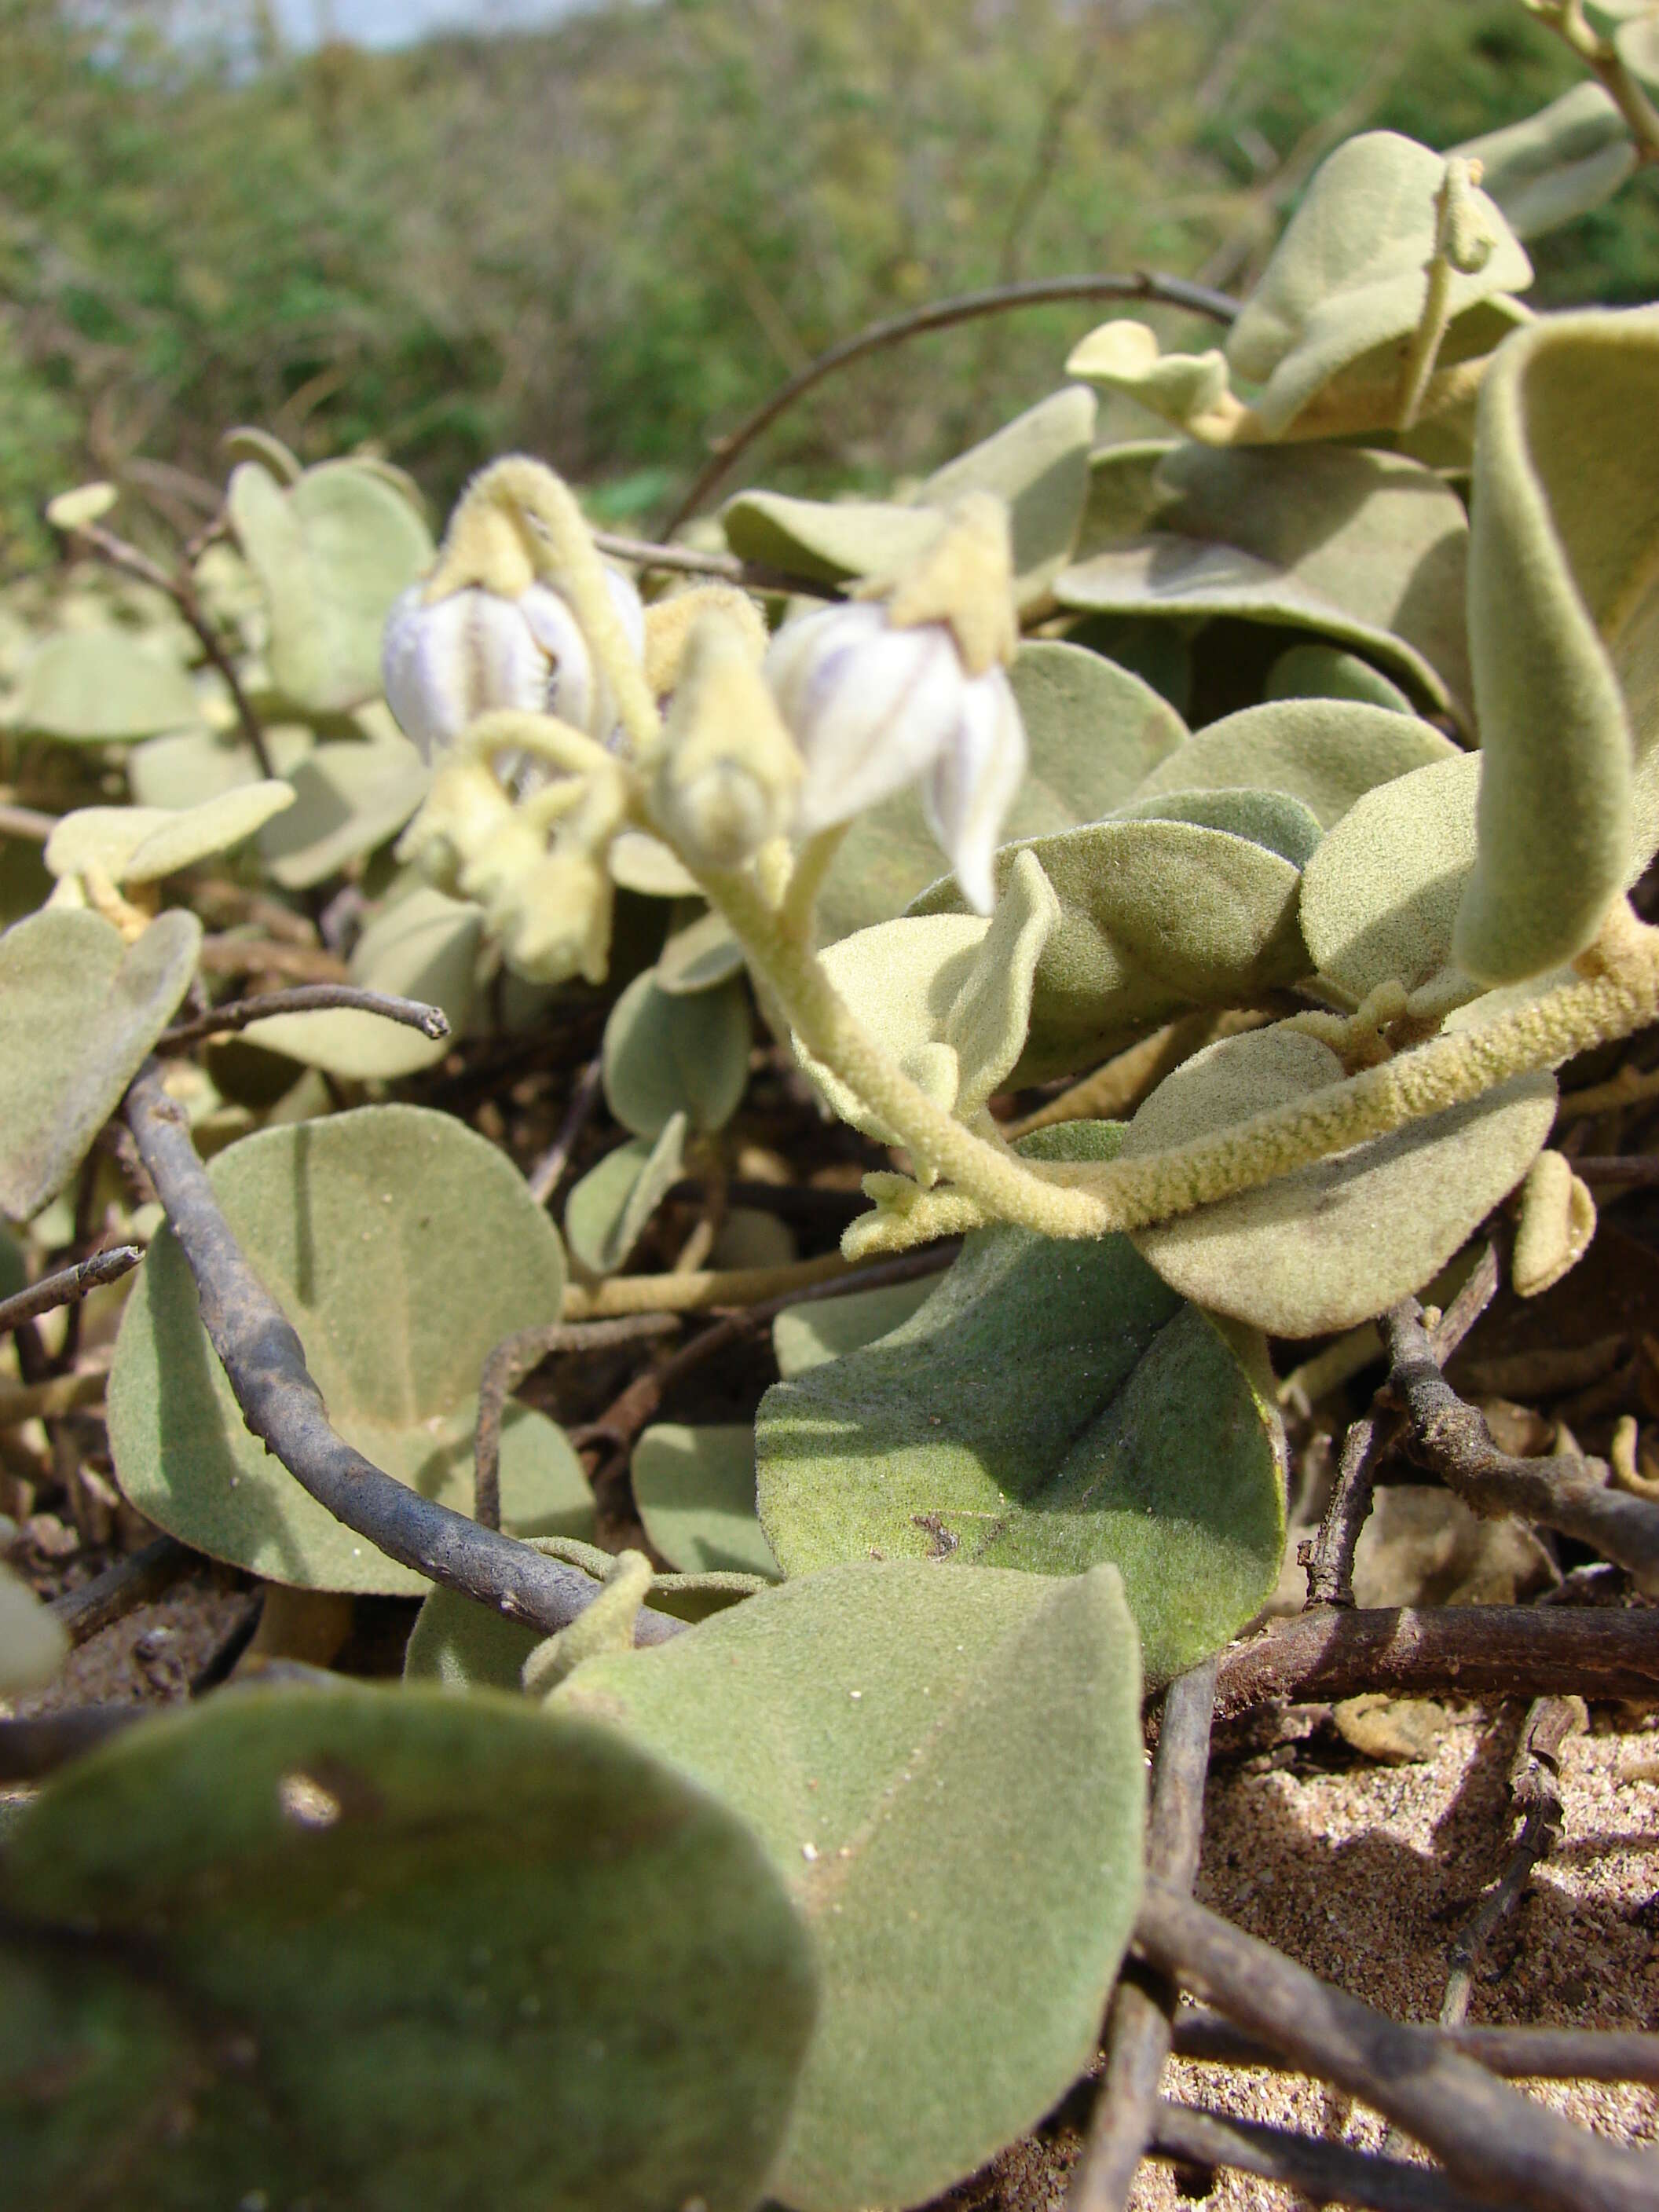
(603, 242)
(823, 1896)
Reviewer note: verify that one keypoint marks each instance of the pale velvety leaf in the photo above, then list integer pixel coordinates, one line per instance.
(609, 2001)
(182, 770)
(103, 687)
(403, 1248)
(946, 1768)
(1039, 462)
(1093, 730)
(985, 1026)
(1052, 1405)
(331, 552)
(694, 1489)
(1325, 752)
(79, 1011)
(825, 540)
(248, 443)
(606, 1211)
(1270, 819)
(1636, 40)
(1325, 672)
(32, 1644)
(1126, 493)
(1563, 630)
(349, 796)
(697, 957)
(1380, 896)
(900, 979)
(215, 826)
(1347, 276)
(806, 1335)
(1557, 165)
(665, 1056)
(1340, 1240)
(1124, 356)
(422, 946)
(639, 862)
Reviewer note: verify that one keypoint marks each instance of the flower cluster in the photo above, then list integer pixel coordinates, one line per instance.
(843, 708)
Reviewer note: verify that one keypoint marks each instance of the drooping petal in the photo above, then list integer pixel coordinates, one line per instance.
(972, 784)
(443, 665)
(870, 706)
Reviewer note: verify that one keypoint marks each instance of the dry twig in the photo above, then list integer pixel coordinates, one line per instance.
(507, 1365)
(264, 1362)
(122, 1588)
(68, 1285)
(1499, 2146)
(307, 999)
(1539, 2054)
(1329, 2173)
(1138, 2024)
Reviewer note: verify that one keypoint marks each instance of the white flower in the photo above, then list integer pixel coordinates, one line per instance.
(445, 664)
(874, 708)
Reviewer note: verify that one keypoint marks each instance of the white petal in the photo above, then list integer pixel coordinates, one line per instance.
(869, 706)
(444, 664)
(974, 781)
(567, 680)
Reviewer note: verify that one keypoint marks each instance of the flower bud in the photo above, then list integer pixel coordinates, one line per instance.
(874, 708)
(509, 853)
(730, 771)
(554, 920)
(445, 663)
(462, 812)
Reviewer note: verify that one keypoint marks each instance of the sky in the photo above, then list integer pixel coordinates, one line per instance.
(399, 22)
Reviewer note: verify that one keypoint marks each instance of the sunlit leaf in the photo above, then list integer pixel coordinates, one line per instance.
(665, 1054)
(1380, 897)
(606, 1211)
(1325, 752)
(694, 1489)
(1555, 166)
(103, 687)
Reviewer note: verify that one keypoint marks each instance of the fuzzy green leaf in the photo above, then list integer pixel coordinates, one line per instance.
(608, 2002)
(404, 1248)
(1347, 276)
(1051, 1405)
(606, 1211)
(818, 1329)
(349, 797)
(1367, 548)
(1325, 752)
(331, 552)
(665, 1054)
(1555, 166)
(79, 1010)
(699, 955)
(1380, 896)
(102, 686)
(946, 1768)
(1563, 631)
(1325, 672)
(694, 1489)
(1340, 1240)
(182, 770)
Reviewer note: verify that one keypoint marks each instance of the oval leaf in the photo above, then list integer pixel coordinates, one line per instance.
(817, 1329)
(947, 1770)
(1326, 753)
(1380, 896)
(606, 1211)
(101, 687)
(694, 1489)
(665, 1056)
(404, 1248)
(1051, 1405)
(1340, 1240)
(608, 2002)
(78, 1012)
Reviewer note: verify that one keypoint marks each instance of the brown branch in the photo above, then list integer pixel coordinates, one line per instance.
(1498, 2145)
(27, 822)
(265, 1363)
(67, 1286)
(182, 592)
(548, 1173)
(1629, 1168)
(307, 999)
(1138, 2024)
(1329, 1558)
(32, 1748)
(942, 314)
(1535, 1787)
(1468, 1651)
(1539, 2054)
(122, 1588)
(754, 575)
(1453, 1439)
(507, 1365)
(1329, 2173)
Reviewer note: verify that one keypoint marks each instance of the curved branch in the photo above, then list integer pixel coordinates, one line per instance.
(941, 314)
(307, 999)
(265, 1363)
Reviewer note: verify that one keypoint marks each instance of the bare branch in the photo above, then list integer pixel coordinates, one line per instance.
(942, 314)
(122, 1588)
(1329, 2173)
(754, 575)
(1137, 2030)
(1453, 1439)
(68, 1285)
(1496, 2144)
(1539, 2054)
(27, 822)
(264, 1362)
(1468, 1651)
(307, 999)
(548, 1173)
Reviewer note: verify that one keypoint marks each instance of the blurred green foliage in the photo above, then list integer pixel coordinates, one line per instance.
(603, 242)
